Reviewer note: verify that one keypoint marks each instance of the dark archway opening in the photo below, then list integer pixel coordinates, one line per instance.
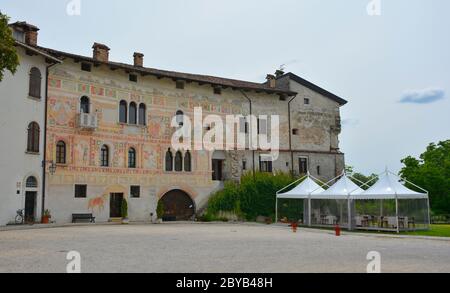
(178, 206)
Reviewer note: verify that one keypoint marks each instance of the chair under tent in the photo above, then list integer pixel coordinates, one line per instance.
(386, 206)
(301, 193)
(390, 206)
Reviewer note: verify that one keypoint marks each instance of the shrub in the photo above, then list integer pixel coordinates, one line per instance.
(160, 210)
(124, 209)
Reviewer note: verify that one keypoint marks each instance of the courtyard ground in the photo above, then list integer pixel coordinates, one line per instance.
(219, 248)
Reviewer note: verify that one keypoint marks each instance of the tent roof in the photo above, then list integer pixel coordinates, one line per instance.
(389, 187)
(303, 190)
(342, 189)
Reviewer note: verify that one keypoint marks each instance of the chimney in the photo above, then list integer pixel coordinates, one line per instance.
(271, 80)
(29, 32)
(138, 59)
(279, 73)
(101, 52)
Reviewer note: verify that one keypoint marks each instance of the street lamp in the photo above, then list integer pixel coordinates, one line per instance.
(51, 167)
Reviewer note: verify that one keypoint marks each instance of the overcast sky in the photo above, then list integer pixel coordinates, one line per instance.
(394, 69)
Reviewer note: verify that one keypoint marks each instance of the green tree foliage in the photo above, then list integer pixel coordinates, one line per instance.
(432, 172)
(368, 181)
(254, 197)
(124, 209)
(9, 60)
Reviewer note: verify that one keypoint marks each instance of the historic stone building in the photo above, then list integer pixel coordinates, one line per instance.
(22, 129)
(109, 133)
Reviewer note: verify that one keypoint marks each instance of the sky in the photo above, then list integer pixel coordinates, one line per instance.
(391, 62)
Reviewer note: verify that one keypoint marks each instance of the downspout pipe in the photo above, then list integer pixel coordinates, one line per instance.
(290, 134)
(251, 113)
(44, 162)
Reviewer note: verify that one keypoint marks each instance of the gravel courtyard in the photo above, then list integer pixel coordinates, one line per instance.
(219, 248)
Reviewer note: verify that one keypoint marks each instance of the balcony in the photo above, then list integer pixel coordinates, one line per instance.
(87, 121)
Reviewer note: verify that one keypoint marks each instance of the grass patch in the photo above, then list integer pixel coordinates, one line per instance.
(435, 231)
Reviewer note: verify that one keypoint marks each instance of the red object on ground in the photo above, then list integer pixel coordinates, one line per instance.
(337, 229)
(294, 227)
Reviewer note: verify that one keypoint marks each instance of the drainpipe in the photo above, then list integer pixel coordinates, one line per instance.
(44, 162)
(251, 112)
(290, 134)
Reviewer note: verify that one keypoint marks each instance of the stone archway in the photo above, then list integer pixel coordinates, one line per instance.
(178, 206)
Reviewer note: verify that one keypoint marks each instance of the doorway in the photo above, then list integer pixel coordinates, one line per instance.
(115, 205)
(178, 206)
(217, 170)
(30, 206)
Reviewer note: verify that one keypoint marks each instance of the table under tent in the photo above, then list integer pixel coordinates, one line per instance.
(333, 206)
(298, 196)
(390, 206)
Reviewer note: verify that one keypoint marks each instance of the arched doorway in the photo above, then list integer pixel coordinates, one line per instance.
(31, 190)
(178, 206)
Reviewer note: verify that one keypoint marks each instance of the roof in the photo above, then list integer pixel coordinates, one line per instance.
(303, 191)
(188, 77)
(342, 189)
(38, 51)
(389, 187)
(314, 87)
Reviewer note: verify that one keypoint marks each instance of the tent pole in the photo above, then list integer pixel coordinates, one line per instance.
(429, 213)
(396, 213)
(309, 212)
(349, 214)
(276, 210)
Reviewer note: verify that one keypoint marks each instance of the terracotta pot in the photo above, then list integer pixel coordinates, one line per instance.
(45, 219)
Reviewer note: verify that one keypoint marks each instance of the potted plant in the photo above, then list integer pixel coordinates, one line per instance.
(46, 217)
(160, 211)
(125, 219)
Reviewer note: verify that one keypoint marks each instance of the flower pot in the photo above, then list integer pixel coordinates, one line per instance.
(125, 221)
(45, 219)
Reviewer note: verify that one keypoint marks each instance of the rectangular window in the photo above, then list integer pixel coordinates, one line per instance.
(217, 91)
(80, 191)
(303, 166)
(244, 165)
(133, 77)
(318, 170)
(243, 125)
(307, 101)
(265, 164)
(262, 126)
(135, 191)
(295, 131)
(180, 85)
(86, 67)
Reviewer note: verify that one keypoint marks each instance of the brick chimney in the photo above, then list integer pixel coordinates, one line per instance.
(29, 31)
(138, 59)
(101, 52)
(271, 80)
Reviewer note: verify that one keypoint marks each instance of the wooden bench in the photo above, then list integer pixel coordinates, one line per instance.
(84, 217)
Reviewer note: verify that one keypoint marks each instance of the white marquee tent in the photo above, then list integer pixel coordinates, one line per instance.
(302, 191)
(387, 205)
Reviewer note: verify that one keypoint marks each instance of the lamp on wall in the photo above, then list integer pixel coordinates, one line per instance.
(51, 167)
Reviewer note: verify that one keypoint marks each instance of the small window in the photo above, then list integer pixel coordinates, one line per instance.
(318, 170)
(33, 138)
(283, 97)
(80, 191)
(244, 165)
(262, 126)
(180, 85)
(295, 131)
(85, 105)
(61, 152)
(132, 158)
(169, 161)
(217, 91)
(142, 115)
(104, 156)
(86, 67)
(178, 162)
(35, 83)
(307, 101)
(123, 112)
(133, 78)
(265, 165)
(303, 166)
(135, 191)
(31, 182)
(188, 162)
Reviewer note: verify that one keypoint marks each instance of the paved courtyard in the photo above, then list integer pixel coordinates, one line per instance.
(220, 248)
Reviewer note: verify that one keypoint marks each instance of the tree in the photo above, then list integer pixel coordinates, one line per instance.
(368, 181)
(432, 172)
(9, 60)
